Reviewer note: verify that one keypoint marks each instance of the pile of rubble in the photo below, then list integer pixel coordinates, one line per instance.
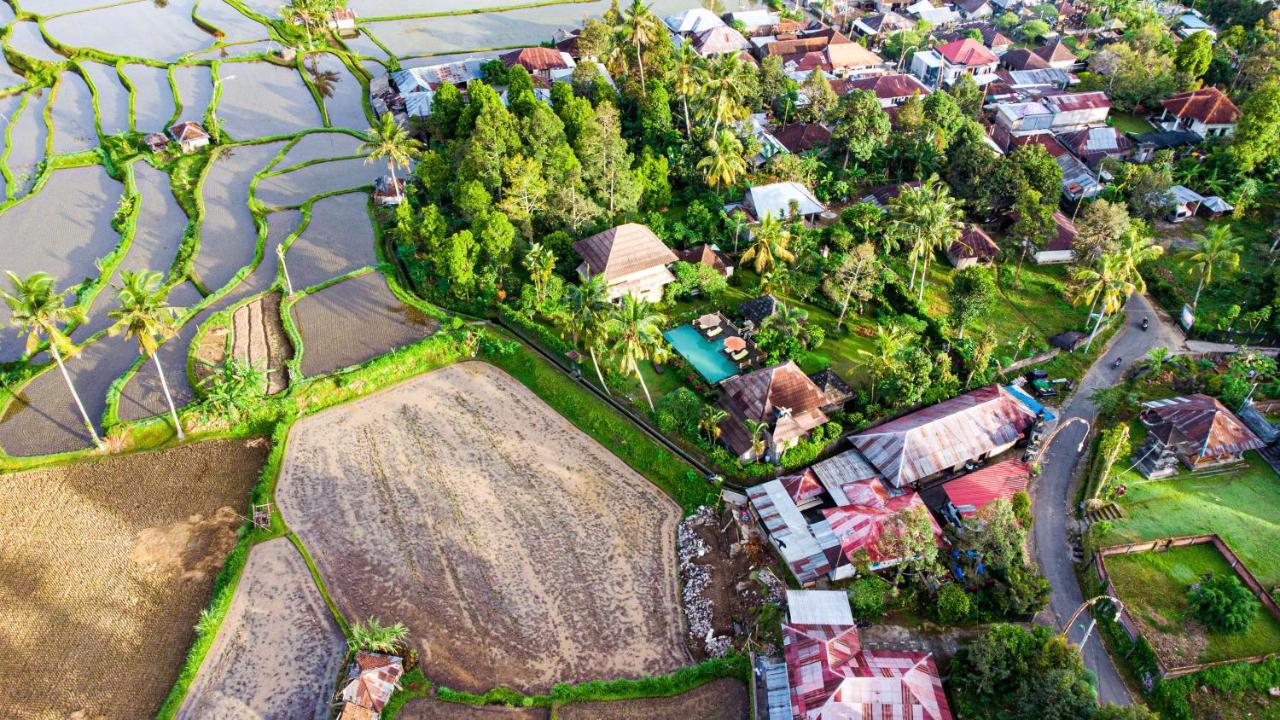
(695, 578)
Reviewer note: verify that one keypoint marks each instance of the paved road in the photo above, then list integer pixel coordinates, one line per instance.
(1054, 490)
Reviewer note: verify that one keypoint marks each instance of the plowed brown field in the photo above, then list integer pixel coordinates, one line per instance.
(516, 549)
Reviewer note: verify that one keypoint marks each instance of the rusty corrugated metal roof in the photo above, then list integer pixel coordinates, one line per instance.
(967, 427)
(974, 491)
(1206, 425)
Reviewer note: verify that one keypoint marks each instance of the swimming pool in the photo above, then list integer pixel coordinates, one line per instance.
(706, 356)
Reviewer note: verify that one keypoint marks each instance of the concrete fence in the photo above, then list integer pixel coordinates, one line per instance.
(1131, 626)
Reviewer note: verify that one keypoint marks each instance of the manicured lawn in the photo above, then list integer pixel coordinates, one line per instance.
(1243, 509)
(1130, 123)
(1154, 585)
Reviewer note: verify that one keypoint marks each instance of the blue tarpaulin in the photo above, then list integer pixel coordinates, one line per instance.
(1030, 402)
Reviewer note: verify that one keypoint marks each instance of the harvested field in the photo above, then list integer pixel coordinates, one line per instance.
(338, 240)
(425, 708)
(278, 652)
(723, 699)
(104, 568)
(258, 338)
(353, 321)
(517, 550)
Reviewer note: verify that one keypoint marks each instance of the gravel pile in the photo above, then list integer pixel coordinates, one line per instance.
(695, 579)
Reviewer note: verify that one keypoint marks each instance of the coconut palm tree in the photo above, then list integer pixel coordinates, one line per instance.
(1133, 250)
(1107, 286)
(709, 422)
(687, 79)
(723, 164)
(768, 245)
(586, 310)
(540, 261)
(1219, 249)
(635, 331)
(387, 140)
(929, 218)
(724, 91)
(890, 342)
(641, 28)
(1158, 356)
(145, 317)
(38, 310)
(308, 12)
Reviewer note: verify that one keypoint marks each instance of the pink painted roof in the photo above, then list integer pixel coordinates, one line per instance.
(803, 487)
(860, 527)
(972, 492)
(966, 52)
(832, 678)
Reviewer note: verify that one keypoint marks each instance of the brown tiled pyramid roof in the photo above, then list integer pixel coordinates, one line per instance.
(623, 250)
(974, 243)
(761, 393)
(1208, 105)
(1057, 52)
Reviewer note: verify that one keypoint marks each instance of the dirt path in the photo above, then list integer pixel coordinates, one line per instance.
(516, 549)
(279, 650)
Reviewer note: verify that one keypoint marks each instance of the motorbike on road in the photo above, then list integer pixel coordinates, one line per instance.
(1145, 323)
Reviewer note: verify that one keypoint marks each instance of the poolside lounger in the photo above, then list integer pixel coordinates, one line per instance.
(714, 332)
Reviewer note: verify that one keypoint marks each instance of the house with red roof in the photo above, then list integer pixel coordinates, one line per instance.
(944, 64)
(830, 676)
(968, 494)
(1207, 112)
(860, 528)
(541, 62)
(371, 681)
(1077, 109)
(1061, 247)
(974, 247)
(891, 90)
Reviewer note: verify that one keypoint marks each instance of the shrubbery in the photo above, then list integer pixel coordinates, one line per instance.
(1224, 604)
(953, 605)
(867, 596)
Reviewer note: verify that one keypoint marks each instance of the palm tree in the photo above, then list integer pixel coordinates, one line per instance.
(308, 12)
(144, 316)
(723, 164)
(710, 420)
(787, 320)
(687, 79)
(724, 90)
(587, 308)
(930, 218)
(1133, 250)
(38, 310)
(768, 245)
(641, 28)
(541, 264)
(1107, 286)
(758, 432)
(390, 141)
(890, 342)
(1217, 249)
(635, 329)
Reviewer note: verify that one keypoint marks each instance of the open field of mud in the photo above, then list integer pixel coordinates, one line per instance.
(517, 550)
(724, 699)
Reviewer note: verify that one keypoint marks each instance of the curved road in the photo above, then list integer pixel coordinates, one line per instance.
(1054, 490)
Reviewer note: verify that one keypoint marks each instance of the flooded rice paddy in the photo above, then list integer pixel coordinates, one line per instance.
(112, 97)
(228, 235)
(265, 100)
(338, 239)
(295, 187)
(353, 321)
(164, 58)
(72, 115)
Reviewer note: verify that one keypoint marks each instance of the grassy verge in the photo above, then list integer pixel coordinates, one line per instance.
(1242, 508)
(1153, 588)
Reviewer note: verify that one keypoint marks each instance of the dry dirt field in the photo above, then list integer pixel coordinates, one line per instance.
(431, 709)
(723, 699)
(278, 652)
(104, 568)
(517, 550)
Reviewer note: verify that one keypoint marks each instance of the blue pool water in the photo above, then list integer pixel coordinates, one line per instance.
(706, 356)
